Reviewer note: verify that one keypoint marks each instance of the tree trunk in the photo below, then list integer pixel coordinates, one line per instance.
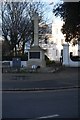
(23, 47)
(15, 51)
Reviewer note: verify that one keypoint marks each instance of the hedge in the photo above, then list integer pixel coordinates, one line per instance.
(9, 58)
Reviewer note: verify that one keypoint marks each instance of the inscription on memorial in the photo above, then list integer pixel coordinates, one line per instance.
(35, 55)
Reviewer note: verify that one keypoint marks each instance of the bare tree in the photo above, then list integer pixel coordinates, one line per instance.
(17, 23)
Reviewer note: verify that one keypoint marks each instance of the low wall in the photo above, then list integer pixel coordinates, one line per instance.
(23, 63)
(68, 58)
(71, 63)
(74, 63)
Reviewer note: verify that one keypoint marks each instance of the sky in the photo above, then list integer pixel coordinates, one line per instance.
(49, 14)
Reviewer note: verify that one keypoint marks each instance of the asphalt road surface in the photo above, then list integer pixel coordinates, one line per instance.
(66, 77)
(40, 104)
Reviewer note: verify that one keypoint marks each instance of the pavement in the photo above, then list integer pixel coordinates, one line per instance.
(63, 78)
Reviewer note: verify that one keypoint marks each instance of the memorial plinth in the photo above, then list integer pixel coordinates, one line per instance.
(36, 54)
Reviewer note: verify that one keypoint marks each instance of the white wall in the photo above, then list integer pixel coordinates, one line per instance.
(58, 37)
(66, 58)
(74, 63)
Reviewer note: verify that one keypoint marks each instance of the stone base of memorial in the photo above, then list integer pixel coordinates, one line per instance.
(36, 57)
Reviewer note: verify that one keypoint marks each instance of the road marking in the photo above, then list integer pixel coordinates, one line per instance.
(49, 116)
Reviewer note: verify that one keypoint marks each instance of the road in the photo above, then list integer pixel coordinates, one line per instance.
(64, 78)
(42, 84)
(40, 104)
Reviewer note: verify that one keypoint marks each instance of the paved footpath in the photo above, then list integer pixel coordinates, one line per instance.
(62, 79)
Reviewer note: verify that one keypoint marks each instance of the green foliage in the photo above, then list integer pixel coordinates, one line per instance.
(70, 13)
(49, 62)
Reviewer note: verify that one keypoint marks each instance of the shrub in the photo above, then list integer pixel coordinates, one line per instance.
(49, 62)
(9, 58)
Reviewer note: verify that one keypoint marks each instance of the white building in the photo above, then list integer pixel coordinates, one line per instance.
(55, 42)
(58, 37)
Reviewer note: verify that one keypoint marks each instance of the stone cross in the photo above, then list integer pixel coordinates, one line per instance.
(36, 18)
